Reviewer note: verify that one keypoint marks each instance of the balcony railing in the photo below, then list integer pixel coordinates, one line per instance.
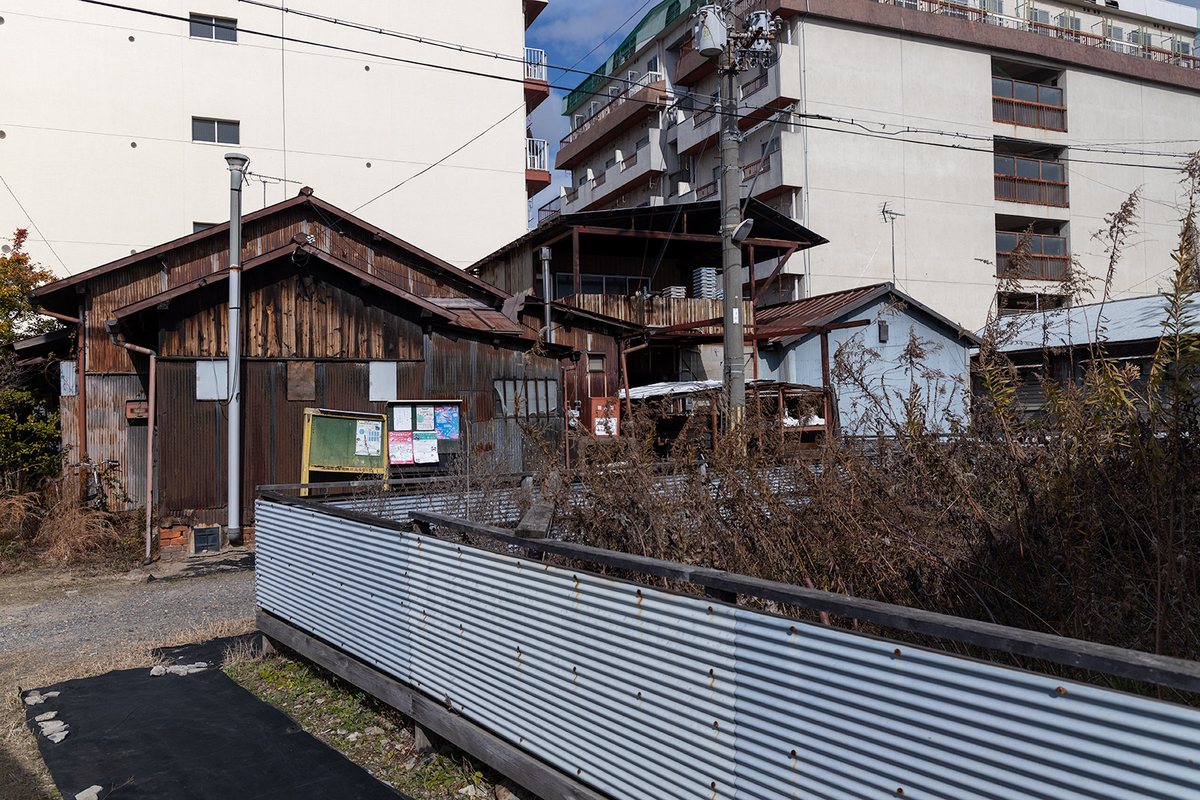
(630, 161)
(759, 167)
(706, 191)
(1029, 190)
(756, 85)
(550, 210)
(535, 64)
(647, 79)
(1035, 267)
(1170, 48)
(704, 115)
(537, 154)
(600, 179)
(571, 196)
(1030, 115)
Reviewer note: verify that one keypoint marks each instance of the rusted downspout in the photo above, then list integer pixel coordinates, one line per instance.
(80, 368)
(152, 416)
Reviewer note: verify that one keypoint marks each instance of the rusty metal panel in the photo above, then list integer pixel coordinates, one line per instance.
(813, 310)
(113, 437)
(646, 693)
(191, 443)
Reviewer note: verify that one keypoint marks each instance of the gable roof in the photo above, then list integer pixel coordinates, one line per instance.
(465, 313)
(1135, 319)
(221, 231)
(826, 309)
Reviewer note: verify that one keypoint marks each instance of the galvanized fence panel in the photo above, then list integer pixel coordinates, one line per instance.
(644, 693)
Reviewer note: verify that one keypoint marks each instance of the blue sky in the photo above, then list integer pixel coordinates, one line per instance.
(567, 30)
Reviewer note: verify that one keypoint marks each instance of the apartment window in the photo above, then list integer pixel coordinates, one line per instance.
(652, 65)
(643, 142)
(618, 285)
(612, 162)
(218, 28)
(216, 131)
(768, 147)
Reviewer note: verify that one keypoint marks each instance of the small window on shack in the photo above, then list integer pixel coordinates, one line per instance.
(383, 382)
(527, 398)
(595, 362)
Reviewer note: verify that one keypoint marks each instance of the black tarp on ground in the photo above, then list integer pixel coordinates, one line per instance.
(189, 737)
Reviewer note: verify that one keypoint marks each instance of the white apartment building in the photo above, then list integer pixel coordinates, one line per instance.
(115, 121)
(954, 126)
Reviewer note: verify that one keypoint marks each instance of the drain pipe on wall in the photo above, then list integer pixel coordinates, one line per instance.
(151, 419)
(237, 176)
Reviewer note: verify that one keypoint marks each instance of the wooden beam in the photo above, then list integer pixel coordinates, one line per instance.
(509, 760)
(825, 360)
(706, 238)
(574, 260)
(755, 290)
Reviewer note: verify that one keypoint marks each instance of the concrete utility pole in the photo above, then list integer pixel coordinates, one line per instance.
(716, 35)
(731, 252)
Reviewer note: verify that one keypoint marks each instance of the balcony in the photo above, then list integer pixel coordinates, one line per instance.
(774, 88)
(550, 211)
(537, 165)
(691, 68)
(537, 87)
(1031, 256)
(640, 100)
(1032, 105)
(708, 191)
(771, 176)
(631, 171)
(1030, 180)
(699, 131)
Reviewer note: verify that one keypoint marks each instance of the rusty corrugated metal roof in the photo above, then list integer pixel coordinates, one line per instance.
(821, 309)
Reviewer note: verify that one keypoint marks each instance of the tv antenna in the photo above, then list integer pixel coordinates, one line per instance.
(889, 217)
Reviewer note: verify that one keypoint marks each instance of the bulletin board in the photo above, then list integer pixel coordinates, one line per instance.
(422, 432)
(343, 442)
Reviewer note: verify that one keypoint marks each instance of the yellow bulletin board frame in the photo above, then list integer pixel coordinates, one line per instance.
(330, 440)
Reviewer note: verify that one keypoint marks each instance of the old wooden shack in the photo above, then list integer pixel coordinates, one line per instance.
(336, 314)
(620, 273)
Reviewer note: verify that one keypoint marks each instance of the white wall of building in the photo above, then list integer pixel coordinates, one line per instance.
(83, 84)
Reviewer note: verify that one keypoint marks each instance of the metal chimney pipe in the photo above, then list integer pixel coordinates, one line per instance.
(237, 175)
(547, 291)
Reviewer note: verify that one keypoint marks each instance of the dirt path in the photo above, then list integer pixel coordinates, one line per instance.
(56, 625)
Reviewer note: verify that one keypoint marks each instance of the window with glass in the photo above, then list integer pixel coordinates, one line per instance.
(218, 28)
(1039, 245)
(1027, 92)
(1031, 168)
(216, 131)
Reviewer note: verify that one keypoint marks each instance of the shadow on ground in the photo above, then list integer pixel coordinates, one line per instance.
(216, 564)
(18, 782)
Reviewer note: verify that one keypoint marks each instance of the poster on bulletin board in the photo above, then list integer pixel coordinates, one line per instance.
(425, 418)
(402, 418)
(425, 448)
(400, 448)
(446, 421)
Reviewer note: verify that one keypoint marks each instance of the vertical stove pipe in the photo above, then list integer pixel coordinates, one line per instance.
(237, 173)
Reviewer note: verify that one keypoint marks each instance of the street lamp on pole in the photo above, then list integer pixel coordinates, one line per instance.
(717, 35)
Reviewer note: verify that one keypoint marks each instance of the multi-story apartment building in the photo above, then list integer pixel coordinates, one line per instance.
(956, 127)
(115, 122)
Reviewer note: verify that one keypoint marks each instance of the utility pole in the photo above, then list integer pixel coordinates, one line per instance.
(717, 35)
(731, 252)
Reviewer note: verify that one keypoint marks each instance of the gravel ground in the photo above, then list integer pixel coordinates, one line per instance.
(59, 621)
(57, 625)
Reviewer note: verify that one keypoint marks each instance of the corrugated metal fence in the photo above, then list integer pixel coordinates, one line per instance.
(642, 693)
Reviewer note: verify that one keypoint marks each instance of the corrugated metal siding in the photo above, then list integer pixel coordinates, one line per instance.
(644, 693)
(111, 436)
(191, 443)
(653, 311)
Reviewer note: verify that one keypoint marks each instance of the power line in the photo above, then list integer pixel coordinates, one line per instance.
(35, 225)
(443, 158)
(1095, 147)
(805, 118)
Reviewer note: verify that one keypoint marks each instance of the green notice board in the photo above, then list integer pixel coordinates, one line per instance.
(343, 442)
